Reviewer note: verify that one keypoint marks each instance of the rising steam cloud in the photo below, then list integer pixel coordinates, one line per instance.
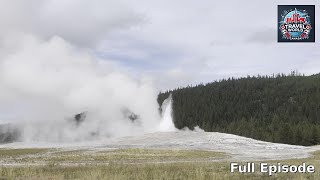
(46, 80)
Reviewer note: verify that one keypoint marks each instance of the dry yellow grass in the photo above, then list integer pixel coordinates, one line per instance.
(120, 166)
(5, 153)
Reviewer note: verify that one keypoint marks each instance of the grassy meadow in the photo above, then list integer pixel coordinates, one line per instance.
(131, 164)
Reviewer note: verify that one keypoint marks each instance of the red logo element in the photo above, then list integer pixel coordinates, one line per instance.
(295, 18)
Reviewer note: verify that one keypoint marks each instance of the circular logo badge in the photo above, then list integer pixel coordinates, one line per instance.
(295, 25)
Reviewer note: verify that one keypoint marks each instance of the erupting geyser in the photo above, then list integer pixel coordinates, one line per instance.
(166, 124)
(46, 89)
(59, 81)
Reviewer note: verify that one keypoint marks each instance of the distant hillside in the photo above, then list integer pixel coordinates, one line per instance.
(281, 108)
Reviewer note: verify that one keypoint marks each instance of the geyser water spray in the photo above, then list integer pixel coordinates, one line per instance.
(166, 124)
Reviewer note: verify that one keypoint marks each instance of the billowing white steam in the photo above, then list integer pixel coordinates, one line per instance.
(47, 82)
(167, 121)
(49, 72)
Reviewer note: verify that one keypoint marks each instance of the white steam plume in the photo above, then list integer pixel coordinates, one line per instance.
(49, 72)
(47, 82)
(166, 124)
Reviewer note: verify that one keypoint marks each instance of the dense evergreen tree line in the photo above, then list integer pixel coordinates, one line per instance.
(279, 108)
